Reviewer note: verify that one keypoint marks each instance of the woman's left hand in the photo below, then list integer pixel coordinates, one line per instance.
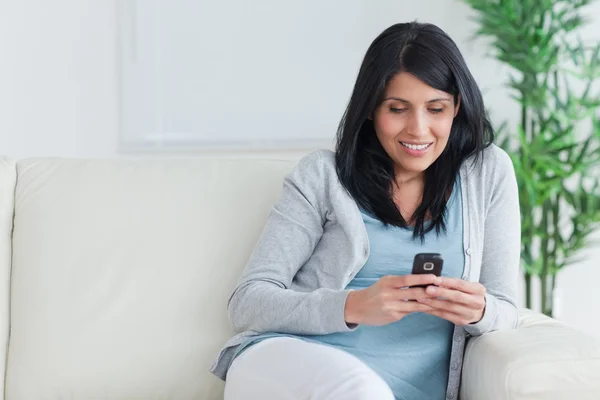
(457, 301)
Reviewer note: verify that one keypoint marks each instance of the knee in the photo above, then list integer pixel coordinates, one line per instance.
(370, 390)
(363, 387)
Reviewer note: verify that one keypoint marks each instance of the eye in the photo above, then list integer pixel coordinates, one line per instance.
(436, 110)
(397, 110)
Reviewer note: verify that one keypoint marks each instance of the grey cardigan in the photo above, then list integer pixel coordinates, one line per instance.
(315, 241)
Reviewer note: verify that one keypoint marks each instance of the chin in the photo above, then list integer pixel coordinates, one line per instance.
(414, 166)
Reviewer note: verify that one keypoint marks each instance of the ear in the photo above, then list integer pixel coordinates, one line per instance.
(457, 106)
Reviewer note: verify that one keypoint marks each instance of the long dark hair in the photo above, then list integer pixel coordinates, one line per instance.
(363, 166)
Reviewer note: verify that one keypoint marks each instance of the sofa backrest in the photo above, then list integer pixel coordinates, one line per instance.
(8, 177)
(122, 269)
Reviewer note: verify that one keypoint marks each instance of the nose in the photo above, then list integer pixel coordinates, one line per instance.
(416, 124)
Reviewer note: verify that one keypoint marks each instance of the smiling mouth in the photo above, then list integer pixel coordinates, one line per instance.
(416, 146)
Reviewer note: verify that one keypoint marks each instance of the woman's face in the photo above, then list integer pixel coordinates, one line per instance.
(413, 123)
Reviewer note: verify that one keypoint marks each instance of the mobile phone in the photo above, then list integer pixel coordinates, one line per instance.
(427, 263)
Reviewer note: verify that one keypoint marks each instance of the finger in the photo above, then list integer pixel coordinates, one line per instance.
(412, 306)
(469, 300)
(459, 311)
(411, 280)
(405, 294)
(462, 285)
(447, 305)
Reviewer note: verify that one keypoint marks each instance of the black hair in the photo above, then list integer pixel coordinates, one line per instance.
(363, 166)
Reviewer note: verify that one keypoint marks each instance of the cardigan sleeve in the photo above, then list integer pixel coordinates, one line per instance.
(501, 248)
(262, 300)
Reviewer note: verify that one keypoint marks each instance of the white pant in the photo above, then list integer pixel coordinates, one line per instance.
(285, 368)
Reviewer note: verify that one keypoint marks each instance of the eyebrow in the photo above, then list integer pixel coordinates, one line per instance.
(428, 101)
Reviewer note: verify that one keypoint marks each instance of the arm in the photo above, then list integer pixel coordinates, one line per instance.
(501, 251)
(263, 300)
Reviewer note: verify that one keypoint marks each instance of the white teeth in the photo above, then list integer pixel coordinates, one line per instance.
(415, 146)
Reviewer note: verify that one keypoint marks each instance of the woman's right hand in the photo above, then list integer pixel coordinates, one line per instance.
(386, 301)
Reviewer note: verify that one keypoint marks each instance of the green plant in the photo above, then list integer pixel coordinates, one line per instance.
(556, 147)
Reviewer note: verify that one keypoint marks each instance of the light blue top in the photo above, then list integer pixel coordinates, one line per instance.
(413, 354)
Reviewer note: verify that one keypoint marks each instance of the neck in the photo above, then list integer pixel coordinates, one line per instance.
(403, 178)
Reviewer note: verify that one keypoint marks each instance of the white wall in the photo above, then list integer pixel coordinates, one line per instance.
(59, 91)
(58, 78)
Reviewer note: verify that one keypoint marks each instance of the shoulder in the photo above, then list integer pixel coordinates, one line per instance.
(318, 166)
(498, 158)
(491, 177)
(317, 158)
(492, 164)
(316, 177)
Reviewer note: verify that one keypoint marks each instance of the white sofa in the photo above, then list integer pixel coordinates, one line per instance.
(115, 276)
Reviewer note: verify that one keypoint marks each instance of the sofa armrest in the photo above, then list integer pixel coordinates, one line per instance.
(541, 359)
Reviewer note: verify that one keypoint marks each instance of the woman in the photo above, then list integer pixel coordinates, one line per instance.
(328, 307)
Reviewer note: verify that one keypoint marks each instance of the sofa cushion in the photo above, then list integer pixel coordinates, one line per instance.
(542, 359)
(122, 270)
(8, 178)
